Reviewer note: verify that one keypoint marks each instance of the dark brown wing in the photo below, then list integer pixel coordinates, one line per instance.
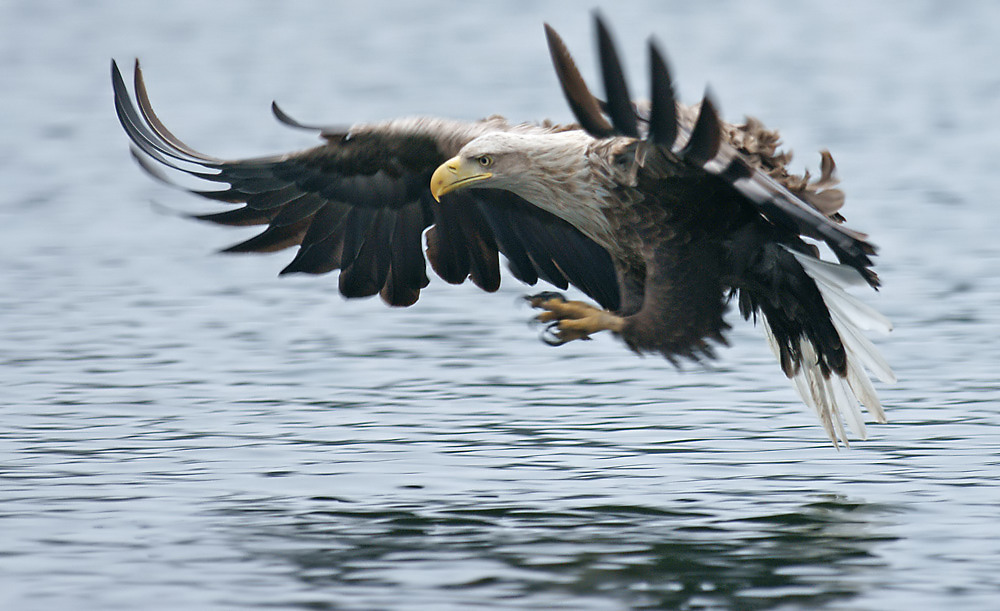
(361, 202)
(699, 145)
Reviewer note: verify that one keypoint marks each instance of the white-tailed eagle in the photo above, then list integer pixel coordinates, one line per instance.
(659, 212)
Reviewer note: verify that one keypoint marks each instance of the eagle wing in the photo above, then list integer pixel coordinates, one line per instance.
(360, 203)
(697, 138)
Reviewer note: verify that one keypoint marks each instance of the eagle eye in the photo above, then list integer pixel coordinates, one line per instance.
(485, 161)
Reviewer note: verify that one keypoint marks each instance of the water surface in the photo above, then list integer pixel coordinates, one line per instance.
(186, 430)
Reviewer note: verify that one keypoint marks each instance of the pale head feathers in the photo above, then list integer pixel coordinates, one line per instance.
(553, 171)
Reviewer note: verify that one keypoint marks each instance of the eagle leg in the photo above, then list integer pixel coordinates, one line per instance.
(571, 320)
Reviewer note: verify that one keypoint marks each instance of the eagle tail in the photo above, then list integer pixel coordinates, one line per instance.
(837, 396)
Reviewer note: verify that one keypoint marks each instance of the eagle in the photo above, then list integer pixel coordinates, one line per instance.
(663, 214)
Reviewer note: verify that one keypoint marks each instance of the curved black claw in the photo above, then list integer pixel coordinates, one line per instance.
(553, 335)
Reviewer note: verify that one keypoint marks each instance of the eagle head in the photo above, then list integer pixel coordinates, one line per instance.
(550, 171)
(497, 160)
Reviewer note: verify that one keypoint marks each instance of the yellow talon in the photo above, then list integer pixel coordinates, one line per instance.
(571, 320)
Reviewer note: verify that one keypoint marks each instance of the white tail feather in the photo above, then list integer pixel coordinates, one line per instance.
(860, 346)
(833, 278)
(836, 399)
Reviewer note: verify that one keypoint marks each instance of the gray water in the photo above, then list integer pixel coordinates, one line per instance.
(186, 430)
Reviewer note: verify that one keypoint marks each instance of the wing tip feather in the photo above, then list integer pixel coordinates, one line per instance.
(583, 103)
(619, 101)
(706, 136)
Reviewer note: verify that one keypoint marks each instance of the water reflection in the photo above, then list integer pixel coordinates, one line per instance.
(687, 556)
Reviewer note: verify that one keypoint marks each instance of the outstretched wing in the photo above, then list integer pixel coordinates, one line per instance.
(361, 202)
(699, 141)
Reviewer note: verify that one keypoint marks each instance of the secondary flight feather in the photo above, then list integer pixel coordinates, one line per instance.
(660, 212)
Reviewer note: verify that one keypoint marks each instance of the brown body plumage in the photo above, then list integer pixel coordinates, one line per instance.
(660, 212)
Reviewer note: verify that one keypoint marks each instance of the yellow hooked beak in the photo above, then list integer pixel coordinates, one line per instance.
(455, 174)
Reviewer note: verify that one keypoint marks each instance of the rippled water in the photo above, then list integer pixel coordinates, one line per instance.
(185, 430)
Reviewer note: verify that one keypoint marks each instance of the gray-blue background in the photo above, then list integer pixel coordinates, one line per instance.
(186, 430)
